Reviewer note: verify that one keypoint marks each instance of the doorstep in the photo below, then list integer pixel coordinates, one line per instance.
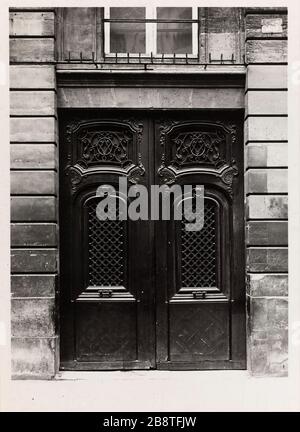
(152, 391)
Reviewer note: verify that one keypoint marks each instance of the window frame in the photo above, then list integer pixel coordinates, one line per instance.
(151, 36)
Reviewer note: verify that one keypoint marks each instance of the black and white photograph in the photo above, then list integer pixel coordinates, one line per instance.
(149, 147)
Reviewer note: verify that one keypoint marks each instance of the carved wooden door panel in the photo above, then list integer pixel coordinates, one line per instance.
(107, 319)
(150, 294)
(200, 274)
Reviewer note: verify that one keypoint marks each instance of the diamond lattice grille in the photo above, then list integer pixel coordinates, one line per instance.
(106, 250)
(199, 251)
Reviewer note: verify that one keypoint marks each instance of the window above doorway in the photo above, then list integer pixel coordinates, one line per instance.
(181, 35)
(151, 31)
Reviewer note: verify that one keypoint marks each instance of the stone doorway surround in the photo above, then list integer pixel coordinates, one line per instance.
(39, 86)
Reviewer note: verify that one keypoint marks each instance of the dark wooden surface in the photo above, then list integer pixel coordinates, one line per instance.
(157, 327)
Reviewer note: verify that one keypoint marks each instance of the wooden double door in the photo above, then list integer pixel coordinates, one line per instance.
(149, 294)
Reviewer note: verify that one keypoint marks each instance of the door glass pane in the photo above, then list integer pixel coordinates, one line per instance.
(126, 37)
(174, 37)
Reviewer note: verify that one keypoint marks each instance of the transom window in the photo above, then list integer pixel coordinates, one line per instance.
(160, 31)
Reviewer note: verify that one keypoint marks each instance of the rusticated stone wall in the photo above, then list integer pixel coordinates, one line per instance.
(33, 192)
(34, 185)
(266, 190)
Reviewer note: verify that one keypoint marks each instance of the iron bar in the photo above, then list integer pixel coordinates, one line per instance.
(151, 59)
(149, 20)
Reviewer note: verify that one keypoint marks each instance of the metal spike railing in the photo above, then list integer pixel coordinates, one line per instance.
(127, 58)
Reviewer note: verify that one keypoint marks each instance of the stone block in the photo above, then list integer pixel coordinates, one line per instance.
(32, 317)
(31, 23)
(34, 209)
(266, 26)
(266, 51)
(20, 77)
(33, 129)
(31, 50)
(145, 98)
(270, 233)
(266, 181)
(268, 285)
(33, 358)
(269, 353)
(266, 129)
(31, 156)
(33, 260)
(38, 234)
(266, 102)
(258, 354)
(278, 352)
(266, 155)
(32, 102)
(33, 182)
(33, 285)
(267, 207)
(268, 314)
(266, 77)
(264, 260)
(79, 32)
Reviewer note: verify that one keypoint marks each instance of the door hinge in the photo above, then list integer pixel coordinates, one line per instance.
(199, 294)
(105, 293)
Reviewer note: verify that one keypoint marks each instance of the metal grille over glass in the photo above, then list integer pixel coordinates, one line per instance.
(106, 249)
(199, 251)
